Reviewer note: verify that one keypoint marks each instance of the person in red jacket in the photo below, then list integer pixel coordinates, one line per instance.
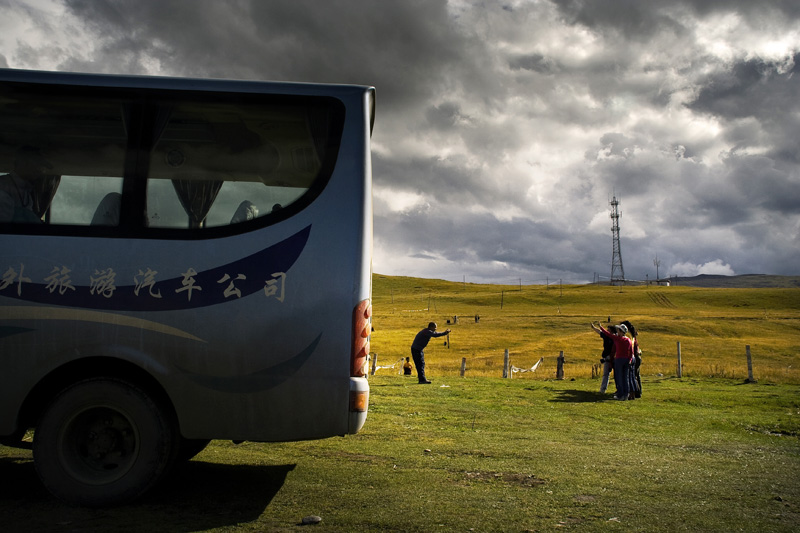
(623, 357)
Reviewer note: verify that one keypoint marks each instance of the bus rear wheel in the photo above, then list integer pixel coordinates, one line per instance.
(102, 442)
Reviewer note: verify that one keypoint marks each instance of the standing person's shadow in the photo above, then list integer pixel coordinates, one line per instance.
(579, 396)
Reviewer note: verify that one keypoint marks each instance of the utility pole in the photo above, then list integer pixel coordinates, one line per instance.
(657, 264)
(617, 272)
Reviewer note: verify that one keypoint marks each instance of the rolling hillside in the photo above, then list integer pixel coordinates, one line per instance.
(745, 281)
(713, 325)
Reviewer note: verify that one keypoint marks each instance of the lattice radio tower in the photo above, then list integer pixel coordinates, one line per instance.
(617, 272)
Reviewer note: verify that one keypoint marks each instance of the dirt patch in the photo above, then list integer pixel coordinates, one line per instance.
(661, 299)
(512, 478)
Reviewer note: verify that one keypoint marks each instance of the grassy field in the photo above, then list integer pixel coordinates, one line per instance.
(705, 452)
(484, 454)
(713, 326)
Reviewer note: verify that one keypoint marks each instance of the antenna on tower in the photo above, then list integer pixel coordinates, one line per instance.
(617, 272)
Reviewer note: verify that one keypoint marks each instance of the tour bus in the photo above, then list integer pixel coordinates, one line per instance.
(182, 260)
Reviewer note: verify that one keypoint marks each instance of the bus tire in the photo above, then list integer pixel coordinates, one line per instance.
(102, 442)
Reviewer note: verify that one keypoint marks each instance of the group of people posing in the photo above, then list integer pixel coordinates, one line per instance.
(622, 355)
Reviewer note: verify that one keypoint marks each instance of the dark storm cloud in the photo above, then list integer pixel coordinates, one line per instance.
(763, 95)
(516, 247)
(535, 62)
(634, 18)
(641, 19)
(445, 115)
(764, 91)
(402, 47)
(762, 185)
(446, 181)
(504, 128)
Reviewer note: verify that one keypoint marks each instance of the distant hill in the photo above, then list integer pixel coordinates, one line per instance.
(745, 281)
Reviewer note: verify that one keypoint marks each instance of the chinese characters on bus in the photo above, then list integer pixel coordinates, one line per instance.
(103, 283)
(11, 277)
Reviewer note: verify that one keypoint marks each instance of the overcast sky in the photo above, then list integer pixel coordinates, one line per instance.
(504, 128)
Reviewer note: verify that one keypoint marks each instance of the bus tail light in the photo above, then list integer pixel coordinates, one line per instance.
(362, 324)
(359, 401)
(359, 404)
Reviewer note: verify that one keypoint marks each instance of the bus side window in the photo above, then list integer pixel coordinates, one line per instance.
(217, 164)
(87, 200)
(63, 152)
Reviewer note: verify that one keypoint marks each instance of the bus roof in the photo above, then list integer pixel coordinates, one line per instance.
(176, 83)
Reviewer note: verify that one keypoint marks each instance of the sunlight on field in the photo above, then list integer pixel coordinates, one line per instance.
(713, 327)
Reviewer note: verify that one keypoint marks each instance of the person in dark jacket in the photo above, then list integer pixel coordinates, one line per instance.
(418, 348)
(636, 381)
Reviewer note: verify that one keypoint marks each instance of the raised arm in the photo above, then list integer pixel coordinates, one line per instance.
(599, 329)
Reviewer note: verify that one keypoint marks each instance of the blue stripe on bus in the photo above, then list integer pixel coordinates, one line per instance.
(257, 381)
(7, 331)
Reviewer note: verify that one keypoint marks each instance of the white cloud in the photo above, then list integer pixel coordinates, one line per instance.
(687, 269)
(395, 200)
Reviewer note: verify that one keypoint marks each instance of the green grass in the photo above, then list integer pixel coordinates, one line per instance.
(706, 452)
(484, 454)
(714, 327)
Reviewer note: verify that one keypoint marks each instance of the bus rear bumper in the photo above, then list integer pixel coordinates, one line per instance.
(359, 403)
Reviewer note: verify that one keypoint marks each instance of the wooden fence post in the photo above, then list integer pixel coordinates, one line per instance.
(505, 364)
(463, 366)
(560, 367)
(680, 369)
(750, 378)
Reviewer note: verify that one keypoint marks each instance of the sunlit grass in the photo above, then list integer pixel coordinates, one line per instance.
(713, 327)
(484, 454)
(707, 452)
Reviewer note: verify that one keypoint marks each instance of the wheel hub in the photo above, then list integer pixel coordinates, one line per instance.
(98, 443)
